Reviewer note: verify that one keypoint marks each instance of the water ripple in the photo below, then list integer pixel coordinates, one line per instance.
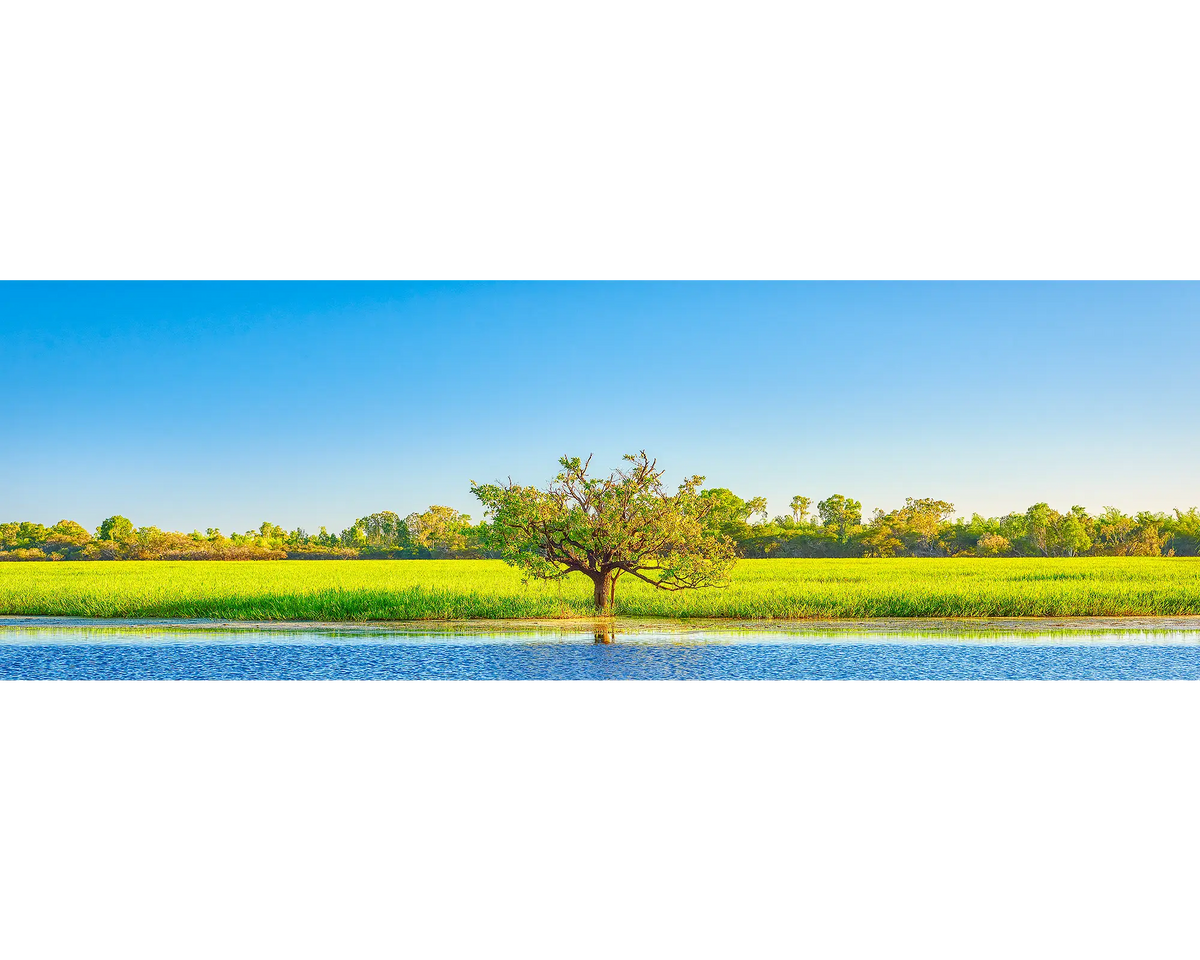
(75, 649)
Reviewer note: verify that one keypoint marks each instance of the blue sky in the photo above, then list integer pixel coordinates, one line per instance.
(189, 405)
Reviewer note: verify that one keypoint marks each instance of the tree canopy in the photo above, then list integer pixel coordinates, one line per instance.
(841, 514)
(607, 527)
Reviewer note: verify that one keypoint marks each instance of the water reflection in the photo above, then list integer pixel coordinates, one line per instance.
(1140, 631)
(600, 650)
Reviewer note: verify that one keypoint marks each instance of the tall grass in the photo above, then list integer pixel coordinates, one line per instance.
(487, 589)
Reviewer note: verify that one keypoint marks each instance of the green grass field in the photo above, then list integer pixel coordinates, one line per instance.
(487, 589)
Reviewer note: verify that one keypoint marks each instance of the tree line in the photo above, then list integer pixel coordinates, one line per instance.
(922, 527)
(439, 532)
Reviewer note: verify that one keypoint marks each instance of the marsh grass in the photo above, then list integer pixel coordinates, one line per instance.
(361, 590)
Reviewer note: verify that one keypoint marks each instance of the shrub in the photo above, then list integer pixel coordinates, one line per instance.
(993, 545)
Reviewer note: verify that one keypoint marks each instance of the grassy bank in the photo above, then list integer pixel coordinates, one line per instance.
(487, 589)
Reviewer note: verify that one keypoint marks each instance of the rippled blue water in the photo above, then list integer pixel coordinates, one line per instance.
(138, 651)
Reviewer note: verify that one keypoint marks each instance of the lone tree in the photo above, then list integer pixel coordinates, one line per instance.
(800, 507)
(605, 527)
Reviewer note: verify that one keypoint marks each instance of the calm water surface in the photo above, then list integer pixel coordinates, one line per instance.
(1143, 649)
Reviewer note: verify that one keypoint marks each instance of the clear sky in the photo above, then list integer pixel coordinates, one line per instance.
(189, 405)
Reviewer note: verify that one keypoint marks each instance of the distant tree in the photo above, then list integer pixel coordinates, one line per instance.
(1149, 535)
(800, 507)
(606, 527)
(1184, 532)
(1040, 521)
(67, 533)
(117, 529)
(842, 515)
(1012, 528)
(922, 520)
(880, 539)
(1113, 531)
(757, 507)
(439, 531)
(34, 533)
(963, 536)
(724, 512)
(22, 536)
(1072, 537)
(385, 531)
(992, 545)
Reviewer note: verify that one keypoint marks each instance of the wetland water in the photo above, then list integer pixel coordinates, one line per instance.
(34, 648)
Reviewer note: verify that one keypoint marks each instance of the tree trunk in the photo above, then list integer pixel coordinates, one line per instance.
(604, 593)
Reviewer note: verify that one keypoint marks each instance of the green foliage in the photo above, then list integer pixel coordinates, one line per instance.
(442, 532)
(725, 513)
(1184, 532)
(993, 545)
(800, 507)
(383, 531)
(118, 529)
(841, 515)
(608, 527)
(757, 507)
(66, 534)
(923, 521)
(22, 536)
(881, 538)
